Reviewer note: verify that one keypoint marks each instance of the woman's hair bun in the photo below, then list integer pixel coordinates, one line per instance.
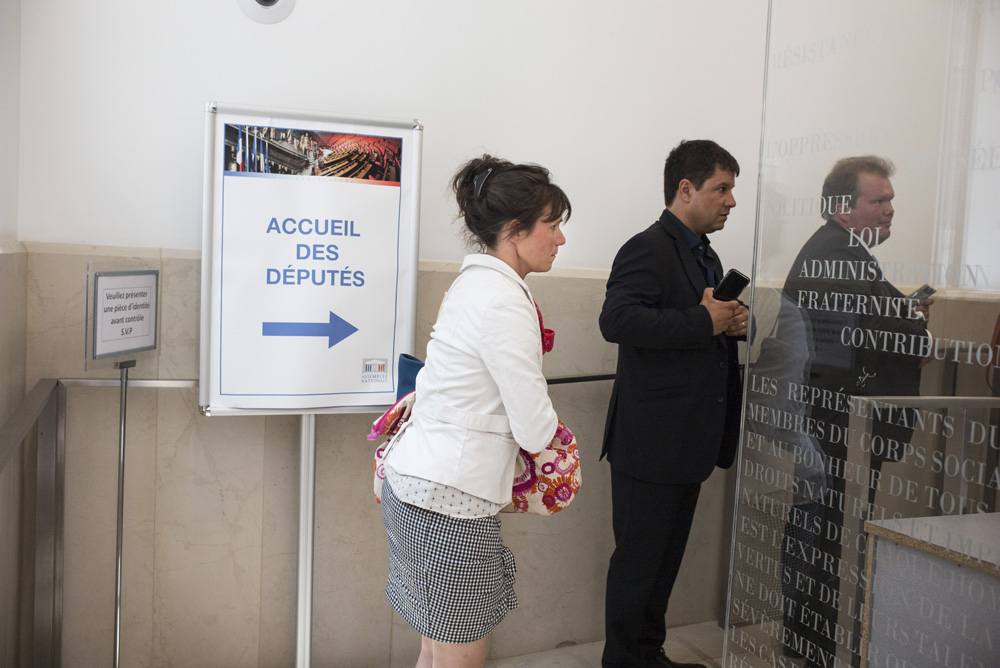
(492, 192)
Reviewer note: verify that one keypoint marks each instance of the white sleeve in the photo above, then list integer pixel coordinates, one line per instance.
(512, 351)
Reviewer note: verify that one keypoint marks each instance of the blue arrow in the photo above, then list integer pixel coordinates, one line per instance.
(336, 330)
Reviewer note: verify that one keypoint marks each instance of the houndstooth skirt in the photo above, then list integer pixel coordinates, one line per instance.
(451, 578)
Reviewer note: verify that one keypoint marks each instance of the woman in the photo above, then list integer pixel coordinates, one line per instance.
(480, 396)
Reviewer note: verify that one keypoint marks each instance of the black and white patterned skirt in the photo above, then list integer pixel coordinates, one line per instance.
(451, 578)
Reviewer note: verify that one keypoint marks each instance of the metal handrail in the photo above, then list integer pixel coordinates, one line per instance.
(563, 380)
(17, 427)
(14, 430)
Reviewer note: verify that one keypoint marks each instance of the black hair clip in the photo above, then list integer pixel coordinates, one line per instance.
(479, 180)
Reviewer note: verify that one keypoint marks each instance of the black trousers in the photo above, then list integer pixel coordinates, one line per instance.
(651, 525)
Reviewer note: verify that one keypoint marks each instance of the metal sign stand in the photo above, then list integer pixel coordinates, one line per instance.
(124, 366)
(307, 486)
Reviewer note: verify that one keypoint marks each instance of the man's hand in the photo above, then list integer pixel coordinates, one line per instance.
(924, 308)
(738, 327)
(723, 313)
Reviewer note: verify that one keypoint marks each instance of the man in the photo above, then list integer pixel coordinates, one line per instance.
(839, 285)
(842, 295)
(675, 407)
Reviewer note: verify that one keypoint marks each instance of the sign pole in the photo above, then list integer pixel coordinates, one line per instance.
(307, 486)
(124, 366)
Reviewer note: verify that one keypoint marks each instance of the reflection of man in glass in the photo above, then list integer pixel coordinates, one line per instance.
(865, 342)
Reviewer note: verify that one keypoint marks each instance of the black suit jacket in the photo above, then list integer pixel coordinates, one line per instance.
(833, 264)
(676, 404)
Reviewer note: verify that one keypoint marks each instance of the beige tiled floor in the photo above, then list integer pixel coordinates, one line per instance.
(700, 643)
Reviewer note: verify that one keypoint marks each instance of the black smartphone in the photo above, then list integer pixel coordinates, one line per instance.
(923, 292)
(731, 285)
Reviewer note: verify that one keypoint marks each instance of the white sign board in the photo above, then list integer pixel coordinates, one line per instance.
(124, 318)
(309, 262)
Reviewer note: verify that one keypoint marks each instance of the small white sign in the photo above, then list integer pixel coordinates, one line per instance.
(124, 312)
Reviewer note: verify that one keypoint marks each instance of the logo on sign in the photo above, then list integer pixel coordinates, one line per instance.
(375, 370)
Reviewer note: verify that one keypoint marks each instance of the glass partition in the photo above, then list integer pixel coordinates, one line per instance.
(870, 411)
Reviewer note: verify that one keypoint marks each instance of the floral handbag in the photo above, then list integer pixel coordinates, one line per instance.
(390, 424)
(544, 482)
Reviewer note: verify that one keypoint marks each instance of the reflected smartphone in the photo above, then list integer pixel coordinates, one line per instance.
(731, 285)
(923, 292)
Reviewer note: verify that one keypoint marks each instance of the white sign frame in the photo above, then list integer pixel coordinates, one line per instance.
(125, 308)
(308, 273)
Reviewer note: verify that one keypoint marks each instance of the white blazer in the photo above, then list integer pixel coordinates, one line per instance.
(481, 393)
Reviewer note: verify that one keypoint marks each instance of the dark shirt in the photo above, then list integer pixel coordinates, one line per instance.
(700, 248)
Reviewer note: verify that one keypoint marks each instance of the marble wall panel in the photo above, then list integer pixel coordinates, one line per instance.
(208, 535)
(405, 642)
(138, 538)
(432, 282)
(279, 535)
(56, 316)
(13, 325)
(57, 310)
(700, 591)
(90, 526)
(570, 305)
(180, 306)
(963, 319)
(351, 616)
(562, 560)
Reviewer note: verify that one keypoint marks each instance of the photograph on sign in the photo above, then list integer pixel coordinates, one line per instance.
(124, 318)
(304, 153)
(312, 262)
